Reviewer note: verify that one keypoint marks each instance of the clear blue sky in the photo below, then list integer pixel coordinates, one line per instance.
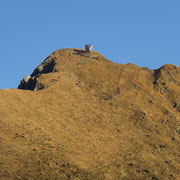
(143, 32)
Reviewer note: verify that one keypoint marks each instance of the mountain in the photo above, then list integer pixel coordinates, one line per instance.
(81, 116)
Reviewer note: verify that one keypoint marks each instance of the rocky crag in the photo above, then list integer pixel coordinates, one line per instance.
(81, 116)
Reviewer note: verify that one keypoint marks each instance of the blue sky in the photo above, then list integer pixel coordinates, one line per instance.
(143, 32)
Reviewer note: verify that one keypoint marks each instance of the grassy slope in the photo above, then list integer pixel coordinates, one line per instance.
(94, 120)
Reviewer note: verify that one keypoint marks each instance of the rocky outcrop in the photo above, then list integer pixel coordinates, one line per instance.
(32, 82)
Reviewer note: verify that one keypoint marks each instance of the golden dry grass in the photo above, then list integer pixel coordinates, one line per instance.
(94, 119)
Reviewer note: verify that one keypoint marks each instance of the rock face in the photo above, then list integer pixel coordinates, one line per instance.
(81, 116)
(31, 82)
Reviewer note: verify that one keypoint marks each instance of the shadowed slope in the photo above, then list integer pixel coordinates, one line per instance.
(92, 119)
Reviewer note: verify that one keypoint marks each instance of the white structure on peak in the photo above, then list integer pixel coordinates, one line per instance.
(88, 48)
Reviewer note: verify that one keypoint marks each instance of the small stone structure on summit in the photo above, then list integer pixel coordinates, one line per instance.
(88, 48)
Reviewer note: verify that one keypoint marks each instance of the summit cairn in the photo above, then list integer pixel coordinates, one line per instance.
(88, 48)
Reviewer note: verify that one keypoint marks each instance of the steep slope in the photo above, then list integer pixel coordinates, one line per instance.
(81, 116)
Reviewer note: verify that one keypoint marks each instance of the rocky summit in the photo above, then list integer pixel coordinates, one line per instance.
(80, 116)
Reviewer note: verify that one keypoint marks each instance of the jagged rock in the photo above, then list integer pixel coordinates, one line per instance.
(28, 83)
(32, 82)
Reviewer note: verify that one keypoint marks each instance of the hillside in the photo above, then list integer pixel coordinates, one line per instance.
(81, 116)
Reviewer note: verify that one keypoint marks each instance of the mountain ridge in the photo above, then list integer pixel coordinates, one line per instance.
(81, 116)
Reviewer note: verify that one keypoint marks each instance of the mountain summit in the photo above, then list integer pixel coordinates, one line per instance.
(61, 61)
(81, 116)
